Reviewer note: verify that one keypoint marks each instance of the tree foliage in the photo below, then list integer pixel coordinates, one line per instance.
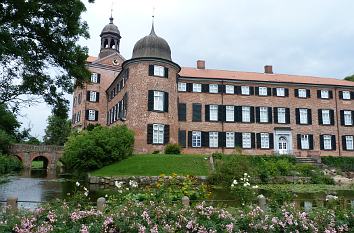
(57, 131)
(350, 78)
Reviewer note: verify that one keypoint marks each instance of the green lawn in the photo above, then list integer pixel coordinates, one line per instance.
(154, 165)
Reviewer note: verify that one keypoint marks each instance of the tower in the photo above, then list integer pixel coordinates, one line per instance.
(110, 39)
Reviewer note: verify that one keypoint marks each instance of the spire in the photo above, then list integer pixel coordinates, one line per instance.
(153, 19)
(111, 18)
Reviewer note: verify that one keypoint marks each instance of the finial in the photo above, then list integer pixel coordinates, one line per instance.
(111, 18)
(153, 19)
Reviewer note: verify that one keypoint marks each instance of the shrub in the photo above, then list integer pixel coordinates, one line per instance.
(173, 149)
(5, 141)
(90, 150)
(9, 164)
(343, 163)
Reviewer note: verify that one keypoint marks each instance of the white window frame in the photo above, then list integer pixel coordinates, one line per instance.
(245, 90)
(158, 133)
(262, 91)
(158, 100)
(196, 139)
(197, 87)
(229, 89)
(213, 139)
(348, 118)
(246, 140)
(246, 114)
(182, 86)
(302, 93)
(305, 143)
(265, 141)
(159, 71)
(213, 112)
(326, 118)
(230, 139)
(346, 95)
(349, 142)
(78, 116)
(93, 96)
(91, 115)
(324, 94)
(303, 112)
(213, 88)
(230, 113)
(94, 78)
(327, 142)
(281, 115)
(280, 91)
(263, 114)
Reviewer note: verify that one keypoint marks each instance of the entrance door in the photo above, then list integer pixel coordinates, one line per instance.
(282, 146)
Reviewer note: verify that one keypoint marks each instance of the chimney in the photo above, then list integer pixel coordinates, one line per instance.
(201, 64)
(268, 69)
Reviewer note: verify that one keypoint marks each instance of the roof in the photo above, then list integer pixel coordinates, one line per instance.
(261, 77)
(91, 59)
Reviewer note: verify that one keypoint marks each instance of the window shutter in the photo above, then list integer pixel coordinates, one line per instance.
(205, 139)
(221, 113)
(352, 117)
(298, 137)
(311, 141)
(330, 93)
(297, 115)
(207, 112)
(238, 113)
(189, 138)
(98, 78)
(251, 90)
(189, 87)
(331, 115)
(319, 94)
(334, 143)
(205, 88)
(150, 133)
(352, 95)
(341, 113)
(182, 107)
(271, 141)
(88, 95)
(257, 91)
(197, 112)
(221, 139)
(270, 115)
(221, 88)
(275, 115)
(182, 138)
(309, 116)
(253, 140)
(321, 142)
(165, 102)
(252, 114)
(97, 97)
(166, 72)
(341, 95)
(151, 70)
(238, 139)
(308, 93)
(258, 136)
(344, 143)
(166, 134)
(274, 92)
(269, 91)
(257, 115)
(296, 92)
(150, 100)
(287, 115)
(96, 115)
(237, 90)
(320, 120)
(286, 90)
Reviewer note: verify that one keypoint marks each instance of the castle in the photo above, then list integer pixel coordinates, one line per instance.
(207, 110)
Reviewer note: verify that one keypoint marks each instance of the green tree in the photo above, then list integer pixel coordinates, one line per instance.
(36, 36)
(350, 78)
(57, 131)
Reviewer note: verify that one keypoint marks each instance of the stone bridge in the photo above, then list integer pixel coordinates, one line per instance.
(48, 153)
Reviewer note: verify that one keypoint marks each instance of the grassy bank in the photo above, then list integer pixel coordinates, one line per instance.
(154, 165)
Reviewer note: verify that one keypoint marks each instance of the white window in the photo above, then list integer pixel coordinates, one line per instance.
(246, 140)
(264, 140)
(158, 134)
(280, 91)
(327, 142)
(78, 116)
(213, 139)
(230, 139)
(92, 115)
(303, 116)
(324, 94)
(281, 115)
(196, 139)
(245, 90)
(182, 86)
(262, 91)
(347, 118)
(213, 88)
(263, 114)
(94, 78)
(159, 71)
(229, 89)
(158, 100)
(349, 142)
(246, 114)
(305, 145)
(213, 112)
(346, 95)
(302, 93)
(230, 113)
(93, 96)
(326, 120)
(114, 114)
(197, 87)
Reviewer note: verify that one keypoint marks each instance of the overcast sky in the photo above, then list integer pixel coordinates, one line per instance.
(310, 37)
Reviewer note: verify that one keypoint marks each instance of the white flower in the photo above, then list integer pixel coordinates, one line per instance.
(232, 185)
(245, 174)
(77, 183)
(86, 193)
(118, 184)
(255, 186)
(85, 189)
(106, 196)
(246, 184)
(234, 182)
(133, 184)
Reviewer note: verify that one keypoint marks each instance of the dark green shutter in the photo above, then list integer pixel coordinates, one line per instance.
(286, 90)
(197, 112)
(298, 137)
(150, 100)
(237, 90)
(253, 140)
(251, 90)
(221, 139)
(269, 91)
(182, 138)
(96, 115)
(297, 115)
(189, 87)
(151, 70)
(257, 115)
(321, 142)
(274, 91)
(311, 145)
(88, 95)
(166, 135)
(287, 115)
(320, 119)
(190, 138)
(341, 113)
(308, 93)
(165, 102)
(252, 114)
(97, 97)
(259, 143)
(309, 116)
(205, 139)
(271, 141)
(205, 88)
(331, 116)
(275, 110)
(207, 112)
(98, 78)
(333, 141)
(257, 90)
(238, 140)
(150, 129)
(344, 143)
(166, 72)
(238, 113)
(330, 94)
(296, 92)
(221, 113)
(221, 88)
(341, 95)
(319, 94)
(270, 115)
(182, 111)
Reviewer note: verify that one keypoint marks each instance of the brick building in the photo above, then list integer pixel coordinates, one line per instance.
(207, 110)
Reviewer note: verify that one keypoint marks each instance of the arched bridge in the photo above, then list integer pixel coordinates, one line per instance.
(27, 153)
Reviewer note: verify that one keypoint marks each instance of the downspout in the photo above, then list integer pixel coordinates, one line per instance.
(224, 108)
(338, 122)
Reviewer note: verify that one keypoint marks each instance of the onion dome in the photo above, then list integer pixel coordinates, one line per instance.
(110, 28)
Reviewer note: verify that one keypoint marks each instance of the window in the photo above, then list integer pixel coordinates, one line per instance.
(327, 142)
(281, 115)
(230, 139)
(157, 134)
(196, 112)
(213, 112)
(94, 78)
(213, 139)
(78, 116)
(246, 114)
(197, 87)
(302, 93)
(263, 114)
(229, 89)
(326, 120)
(246, 140)
(159, 71)
(305, 145)
(346, 95)
(349, 142)
(324, 94)
(93, 96)
(158, 100)
(213, 88)
(245, 90)
(182, 86)
(263, 91)
(347, 118)
(91, 115)
(303, 116)
(196, 139)
(280, 91)
(264, 140)
(79, 99)
(230, 113)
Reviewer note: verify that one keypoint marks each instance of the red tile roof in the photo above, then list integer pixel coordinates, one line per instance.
(91, 59)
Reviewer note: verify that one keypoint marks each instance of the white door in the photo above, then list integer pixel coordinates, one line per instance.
(282, 146)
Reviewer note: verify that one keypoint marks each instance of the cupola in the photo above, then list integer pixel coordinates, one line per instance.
(110, 39)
